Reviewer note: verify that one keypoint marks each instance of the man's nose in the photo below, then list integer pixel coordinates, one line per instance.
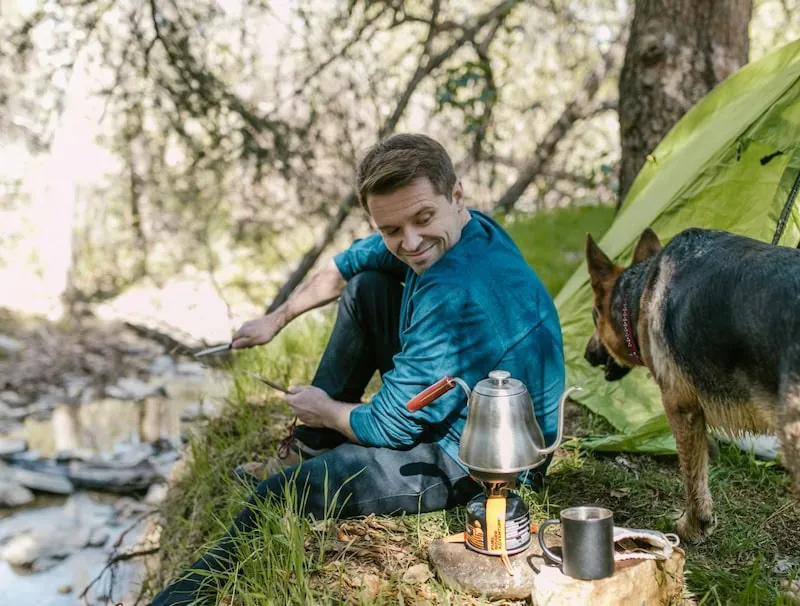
(411, 240)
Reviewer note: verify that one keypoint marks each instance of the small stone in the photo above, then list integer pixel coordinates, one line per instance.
(192, 369)
(156, 494)
(14, 494)
(790, 591)
(162, 365)
(9, 346)
(782, 566)
(369, 585)
(419, 573)
(133, 389)
(65, 589)
(75, 385)
(12, 398)
(38, 550)
(97, 537)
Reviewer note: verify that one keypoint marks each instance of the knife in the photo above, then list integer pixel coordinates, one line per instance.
(267, 382)
(213, 350)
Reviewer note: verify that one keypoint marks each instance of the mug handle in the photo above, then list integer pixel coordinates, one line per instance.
(546, 551)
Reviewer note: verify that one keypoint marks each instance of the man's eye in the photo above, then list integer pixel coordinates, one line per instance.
(425, 219)
(391, 231)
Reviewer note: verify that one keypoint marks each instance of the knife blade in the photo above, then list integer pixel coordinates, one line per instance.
(267, 382)
(213, 350)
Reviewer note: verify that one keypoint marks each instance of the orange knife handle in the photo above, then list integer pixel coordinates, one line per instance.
(429, 394)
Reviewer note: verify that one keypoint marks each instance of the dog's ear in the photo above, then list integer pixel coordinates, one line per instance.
(648, 246)
(600, 266)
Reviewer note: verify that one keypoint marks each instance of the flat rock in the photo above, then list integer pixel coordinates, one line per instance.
(39, 480)
(10, 447)
(41, 549)
(112, 479)
(127, 388)
(635, 582)
(482, 575)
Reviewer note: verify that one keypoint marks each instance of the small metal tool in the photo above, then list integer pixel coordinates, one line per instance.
(213, 350)
(267, 382)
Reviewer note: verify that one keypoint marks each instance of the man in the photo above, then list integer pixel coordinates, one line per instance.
(440, 290)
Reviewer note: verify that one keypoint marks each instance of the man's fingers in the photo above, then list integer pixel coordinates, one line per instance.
(240, 342)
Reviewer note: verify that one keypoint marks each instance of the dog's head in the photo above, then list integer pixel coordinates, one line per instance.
(607, 346)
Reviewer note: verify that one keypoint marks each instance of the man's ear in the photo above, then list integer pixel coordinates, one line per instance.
(458, 195)
(648, 246)
(599, 265)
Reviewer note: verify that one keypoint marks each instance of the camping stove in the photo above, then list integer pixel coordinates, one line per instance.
(501, 439)
(498, 520)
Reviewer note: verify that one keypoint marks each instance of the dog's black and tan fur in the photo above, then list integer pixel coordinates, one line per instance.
(716, 318)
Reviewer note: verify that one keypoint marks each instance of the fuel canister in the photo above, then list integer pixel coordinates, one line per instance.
(498, 524)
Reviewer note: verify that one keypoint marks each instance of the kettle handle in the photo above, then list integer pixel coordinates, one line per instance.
(429, 394)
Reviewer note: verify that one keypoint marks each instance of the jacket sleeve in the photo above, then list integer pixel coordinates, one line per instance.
(366, 254)
(449, 335)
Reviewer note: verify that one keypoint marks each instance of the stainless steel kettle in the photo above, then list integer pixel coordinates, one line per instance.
(501, 437)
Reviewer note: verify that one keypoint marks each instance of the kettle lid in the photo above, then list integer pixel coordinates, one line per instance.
(500, 383)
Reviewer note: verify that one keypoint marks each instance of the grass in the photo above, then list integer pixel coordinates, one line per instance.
(553, 241)
(384, 560)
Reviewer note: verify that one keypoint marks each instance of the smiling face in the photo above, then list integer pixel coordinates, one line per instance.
(418, 225)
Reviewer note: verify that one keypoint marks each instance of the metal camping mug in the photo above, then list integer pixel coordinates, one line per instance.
(587, 542)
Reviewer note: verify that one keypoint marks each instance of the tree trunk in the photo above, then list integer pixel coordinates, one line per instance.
(678, 50)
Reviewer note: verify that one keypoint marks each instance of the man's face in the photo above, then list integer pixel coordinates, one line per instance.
(417, 224)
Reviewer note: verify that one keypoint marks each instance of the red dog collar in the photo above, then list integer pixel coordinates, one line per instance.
(633, 349)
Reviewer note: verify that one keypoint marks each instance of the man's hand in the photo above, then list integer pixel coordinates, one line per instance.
(309, 404)
(259, 331)
(315, 408)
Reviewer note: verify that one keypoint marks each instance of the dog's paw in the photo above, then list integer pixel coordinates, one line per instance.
(694, 528)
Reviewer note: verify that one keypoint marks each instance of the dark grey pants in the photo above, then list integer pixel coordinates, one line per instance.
(383, 481)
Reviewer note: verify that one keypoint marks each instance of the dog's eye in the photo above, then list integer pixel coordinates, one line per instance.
(595, 315)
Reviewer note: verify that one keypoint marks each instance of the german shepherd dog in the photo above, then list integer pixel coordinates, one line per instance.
(715, 317)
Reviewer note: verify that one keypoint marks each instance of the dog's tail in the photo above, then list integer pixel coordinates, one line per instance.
(788, 418)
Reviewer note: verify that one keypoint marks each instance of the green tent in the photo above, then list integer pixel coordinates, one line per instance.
(732, 162)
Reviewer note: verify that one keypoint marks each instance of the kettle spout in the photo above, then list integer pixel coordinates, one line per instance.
(561, 404)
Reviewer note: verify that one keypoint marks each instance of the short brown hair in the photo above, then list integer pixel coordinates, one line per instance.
(400, 159)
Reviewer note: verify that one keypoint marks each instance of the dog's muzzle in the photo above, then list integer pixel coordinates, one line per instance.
(596, 354)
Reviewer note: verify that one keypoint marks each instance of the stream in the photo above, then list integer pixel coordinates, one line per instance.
(80, 466)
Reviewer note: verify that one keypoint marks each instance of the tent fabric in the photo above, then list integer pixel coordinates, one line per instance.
(730, 163)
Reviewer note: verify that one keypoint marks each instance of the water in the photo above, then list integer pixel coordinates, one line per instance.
(101, 427)
(22, 588)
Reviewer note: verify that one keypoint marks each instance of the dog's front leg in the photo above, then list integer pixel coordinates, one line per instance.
(688, 425)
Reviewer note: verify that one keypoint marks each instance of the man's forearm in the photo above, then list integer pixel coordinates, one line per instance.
(338, 418)
(321, 288)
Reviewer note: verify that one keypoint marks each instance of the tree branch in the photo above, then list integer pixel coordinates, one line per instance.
(574, 111)
(424, 68)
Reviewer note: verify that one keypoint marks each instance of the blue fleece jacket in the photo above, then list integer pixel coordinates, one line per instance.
(480, 307)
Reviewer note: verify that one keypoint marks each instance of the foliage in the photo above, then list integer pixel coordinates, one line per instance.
(234, 128)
